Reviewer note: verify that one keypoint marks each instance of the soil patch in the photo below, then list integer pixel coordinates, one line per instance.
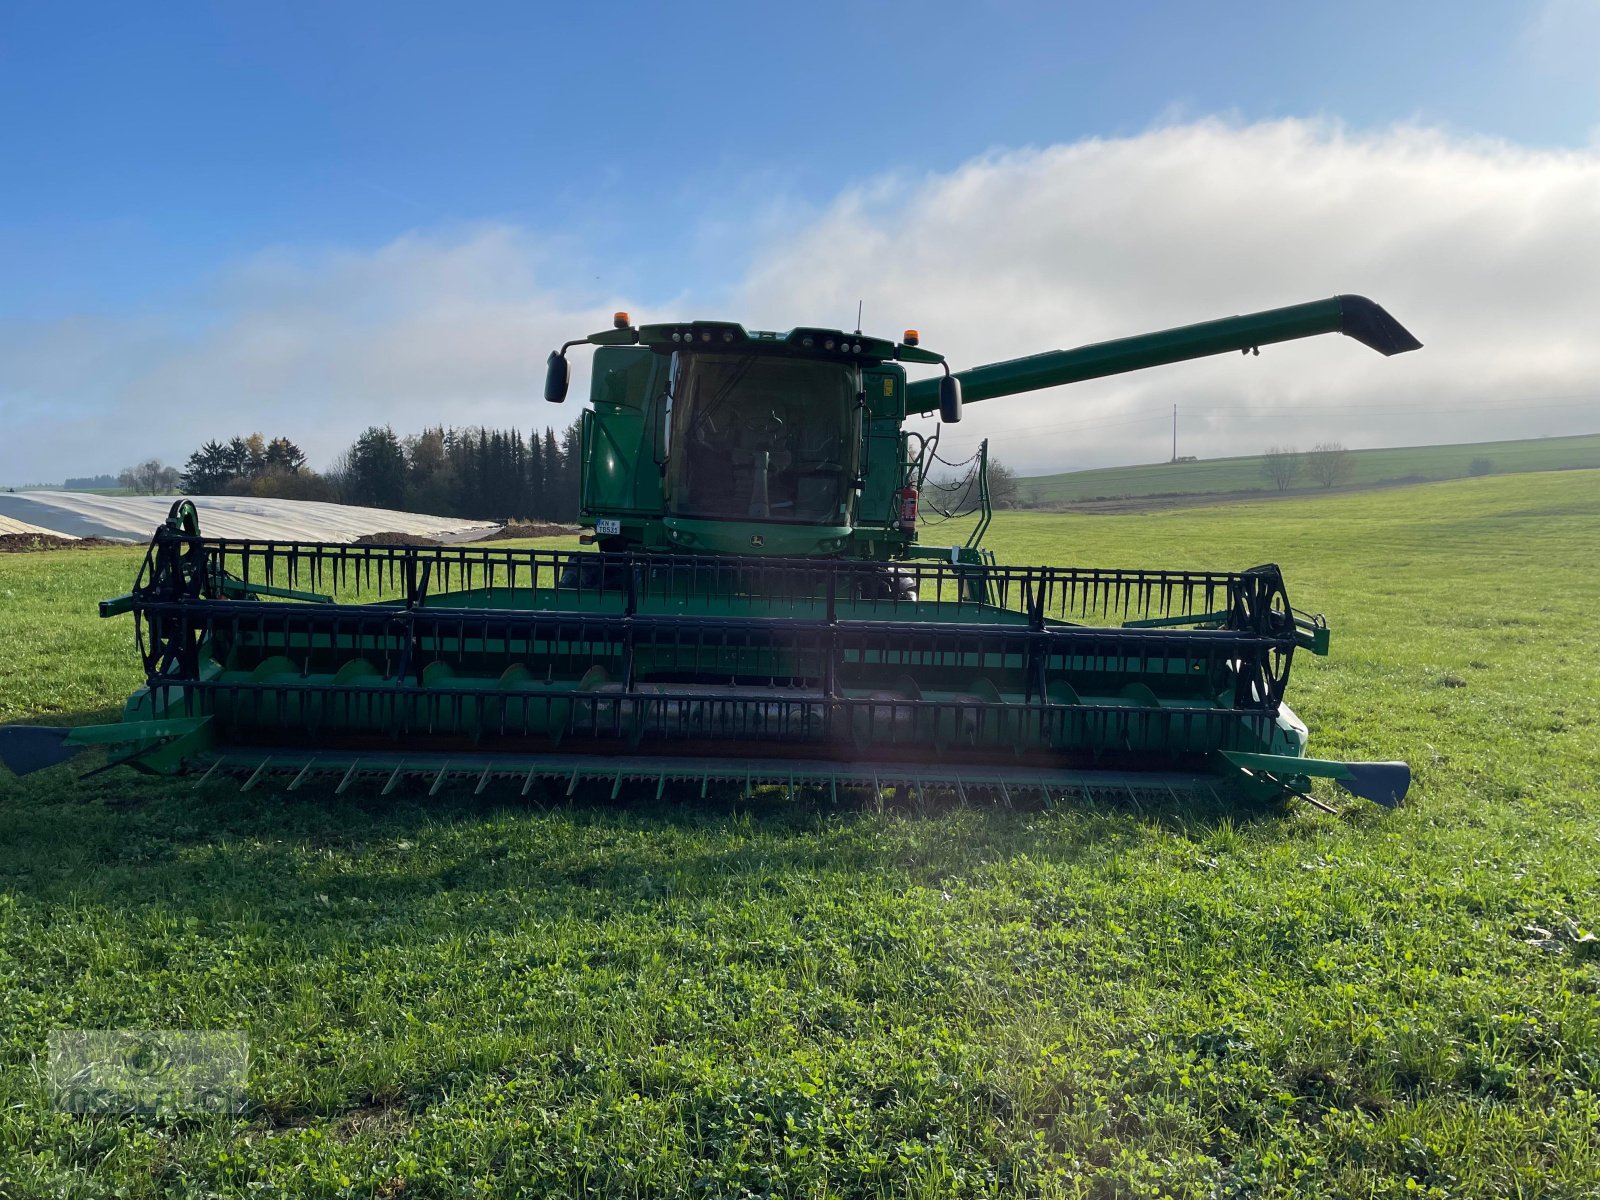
(395, 539)
(529, 529)
(21, 543)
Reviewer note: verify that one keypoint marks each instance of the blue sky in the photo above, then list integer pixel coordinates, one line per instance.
(159, 139)
(649, 151)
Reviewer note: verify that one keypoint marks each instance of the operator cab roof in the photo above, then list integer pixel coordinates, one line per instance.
(805, 342)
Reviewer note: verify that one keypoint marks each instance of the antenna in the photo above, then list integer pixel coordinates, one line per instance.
(859, 304)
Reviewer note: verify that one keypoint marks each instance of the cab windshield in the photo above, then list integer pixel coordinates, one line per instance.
(760, 437)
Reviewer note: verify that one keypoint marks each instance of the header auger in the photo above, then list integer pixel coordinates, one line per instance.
(759, 610)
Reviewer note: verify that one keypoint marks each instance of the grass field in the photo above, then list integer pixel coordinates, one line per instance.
(475, 995)
(1370, 467)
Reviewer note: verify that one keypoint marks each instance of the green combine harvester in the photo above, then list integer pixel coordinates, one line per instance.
(760, 610)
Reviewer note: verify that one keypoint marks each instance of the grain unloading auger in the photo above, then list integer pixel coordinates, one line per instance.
(758, 612)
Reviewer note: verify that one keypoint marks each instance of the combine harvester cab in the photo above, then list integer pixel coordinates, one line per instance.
(759, 612)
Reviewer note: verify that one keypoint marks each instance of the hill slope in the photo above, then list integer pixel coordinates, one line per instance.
(1410, 464)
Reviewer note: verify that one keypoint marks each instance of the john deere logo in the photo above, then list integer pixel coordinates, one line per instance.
(757, 540)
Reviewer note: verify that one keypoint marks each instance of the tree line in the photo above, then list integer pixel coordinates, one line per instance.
(472, 472)
(1327, 464)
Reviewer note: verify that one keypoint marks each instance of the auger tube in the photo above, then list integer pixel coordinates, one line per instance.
(1353, 316)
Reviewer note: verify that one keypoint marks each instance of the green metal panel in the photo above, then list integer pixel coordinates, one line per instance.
(884, 473)
(885, 388)
(620, 477)
(757, 538)
(883, 451)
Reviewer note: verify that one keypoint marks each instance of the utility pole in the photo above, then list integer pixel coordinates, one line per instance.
(1174, 433)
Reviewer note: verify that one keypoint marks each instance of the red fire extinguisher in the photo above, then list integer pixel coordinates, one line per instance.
(907, 496)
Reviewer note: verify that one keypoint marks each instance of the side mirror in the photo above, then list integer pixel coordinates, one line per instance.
(556, 376)
(949, 399)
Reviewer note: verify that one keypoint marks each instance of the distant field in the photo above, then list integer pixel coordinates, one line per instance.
(1414, 464)
(465, 995)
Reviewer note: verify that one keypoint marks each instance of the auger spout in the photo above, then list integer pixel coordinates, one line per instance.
(1354, 316)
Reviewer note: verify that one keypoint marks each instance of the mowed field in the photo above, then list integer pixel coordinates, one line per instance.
(1368, 468)
(477, 995)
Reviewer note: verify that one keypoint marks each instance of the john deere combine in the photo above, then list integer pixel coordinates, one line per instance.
(759, 611)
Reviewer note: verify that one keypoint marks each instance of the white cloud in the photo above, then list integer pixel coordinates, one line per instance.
(1486, 250)
(314, 345)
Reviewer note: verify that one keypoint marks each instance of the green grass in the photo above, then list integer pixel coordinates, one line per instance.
(1411, 464)
(475, 995)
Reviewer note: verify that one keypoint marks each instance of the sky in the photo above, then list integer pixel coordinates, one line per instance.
(305, 219)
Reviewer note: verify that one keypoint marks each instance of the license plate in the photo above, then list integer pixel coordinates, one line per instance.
(607, 525)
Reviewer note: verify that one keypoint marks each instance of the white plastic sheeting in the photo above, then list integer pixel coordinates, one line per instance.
(7, 525)
(135, 518)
